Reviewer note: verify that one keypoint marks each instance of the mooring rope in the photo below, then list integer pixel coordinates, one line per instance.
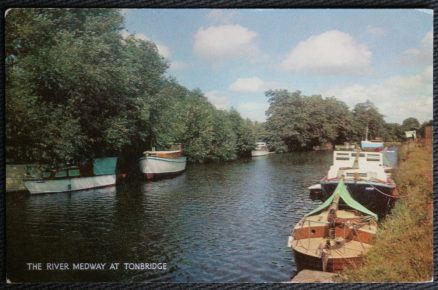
(378, 190)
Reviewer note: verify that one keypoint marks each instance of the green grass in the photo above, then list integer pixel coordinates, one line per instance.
(403, 247)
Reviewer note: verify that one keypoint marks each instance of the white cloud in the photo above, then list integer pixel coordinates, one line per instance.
(375, 31)
(163, 50)
(257, 85)
(253, 84)
(217, 99)
(397, 98)
(254, 111)
(421, 55)
(333, 52)
(224, 42)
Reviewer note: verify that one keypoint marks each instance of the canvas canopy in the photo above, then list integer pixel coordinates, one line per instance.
(342, 191)
(104, 166)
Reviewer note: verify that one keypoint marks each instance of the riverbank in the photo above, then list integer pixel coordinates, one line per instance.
(403, 251)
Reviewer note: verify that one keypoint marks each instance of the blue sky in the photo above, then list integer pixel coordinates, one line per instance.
(235, 55)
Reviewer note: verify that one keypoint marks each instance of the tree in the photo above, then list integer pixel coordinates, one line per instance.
(366, 115)
(410, 124)
(245, 137)
(76, 88)
(301, 122)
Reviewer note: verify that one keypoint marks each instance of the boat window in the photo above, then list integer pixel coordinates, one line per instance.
(61, 173)
(46, 174)
(373, 159)
(358, 174)
(342, 153)
(342, 158)
(73, 172)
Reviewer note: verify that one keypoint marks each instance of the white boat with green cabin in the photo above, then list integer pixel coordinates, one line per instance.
(74, 178)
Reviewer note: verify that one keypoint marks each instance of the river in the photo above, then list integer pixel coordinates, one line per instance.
(220, 222)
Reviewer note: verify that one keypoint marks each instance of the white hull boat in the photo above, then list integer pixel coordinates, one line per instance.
(155, 167)
(257, 153)
(260, 150)
(101, 173)
(69, 184)
(161, 164)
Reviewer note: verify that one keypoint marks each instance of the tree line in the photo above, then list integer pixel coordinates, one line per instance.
(77, 89)
(298, 122)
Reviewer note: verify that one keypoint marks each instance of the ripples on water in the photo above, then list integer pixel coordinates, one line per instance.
(214, 223)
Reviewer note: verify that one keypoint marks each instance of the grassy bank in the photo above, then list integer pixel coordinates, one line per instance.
(403, 251)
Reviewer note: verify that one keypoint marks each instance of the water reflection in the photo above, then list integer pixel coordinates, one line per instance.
(214, 223)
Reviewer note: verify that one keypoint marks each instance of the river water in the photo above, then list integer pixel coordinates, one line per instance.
(221, 222)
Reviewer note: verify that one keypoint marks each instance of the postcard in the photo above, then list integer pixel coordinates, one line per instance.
(219, 145)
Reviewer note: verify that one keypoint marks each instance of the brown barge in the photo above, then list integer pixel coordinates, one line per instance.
(335, 235)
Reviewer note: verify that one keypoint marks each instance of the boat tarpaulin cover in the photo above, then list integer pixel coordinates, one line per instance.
(342, 191)
(104, 166)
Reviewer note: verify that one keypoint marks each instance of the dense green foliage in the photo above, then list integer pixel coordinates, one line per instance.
(298, 122)
(77, 89)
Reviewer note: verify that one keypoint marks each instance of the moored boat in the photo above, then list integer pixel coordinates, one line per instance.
(372, 145)
(335, 235)
(365, 177)
(161, 164)
(260, 150)
(75, 178)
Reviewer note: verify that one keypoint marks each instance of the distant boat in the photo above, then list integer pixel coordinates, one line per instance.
(260, 150)
(74, 178)
(371, 145)
(365, 177)
(160, 164)
(335, 235)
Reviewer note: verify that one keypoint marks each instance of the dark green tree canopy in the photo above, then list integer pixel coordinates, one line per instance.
(302, 122)
(410, 124)
(77, 89)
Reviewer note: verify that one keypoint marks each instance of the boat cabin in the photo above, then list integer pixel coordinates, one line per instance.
(62, 173)
(357, 165)
(99, 166)
(261, 146)
(174, 151)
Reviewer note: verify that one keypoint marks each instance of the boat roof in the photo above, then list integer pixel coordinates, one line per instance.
(342, 191)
